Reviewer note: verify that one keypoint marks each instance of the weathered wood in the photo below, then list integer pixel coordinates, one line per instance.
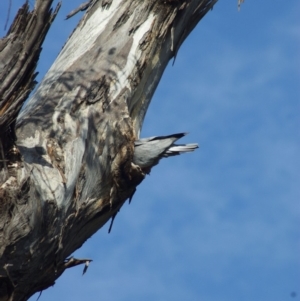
(20, 51)
(19, 54)
(76, 136)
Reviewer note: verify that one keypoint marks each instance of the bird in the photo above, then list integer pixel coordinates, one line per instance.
(149, 151)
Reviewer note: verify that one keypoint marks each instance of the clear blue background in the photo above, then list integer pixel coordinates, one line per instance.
(221, 223)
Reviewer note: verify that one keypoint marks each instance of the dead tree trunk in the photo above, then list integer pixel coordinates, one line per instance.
(72, 168)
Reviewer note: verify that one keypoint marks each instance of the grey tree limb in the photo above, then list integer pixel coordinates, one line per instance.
(76, 136)
(19, 54)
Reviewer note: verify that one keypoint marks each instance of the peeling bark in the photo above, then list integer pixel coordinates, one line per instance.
(19, 54)
(72, 169)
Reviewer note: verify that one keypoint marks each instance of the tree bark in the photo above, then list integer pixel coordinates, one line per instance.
(72, 168)
(19, 54)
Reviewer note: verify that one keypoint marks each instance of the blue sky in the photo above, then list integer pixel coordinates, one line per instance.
(221, 223)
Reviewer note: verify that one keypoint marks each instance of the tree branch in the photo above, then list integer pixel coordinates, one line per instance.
(76, 135)
(19, 54)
